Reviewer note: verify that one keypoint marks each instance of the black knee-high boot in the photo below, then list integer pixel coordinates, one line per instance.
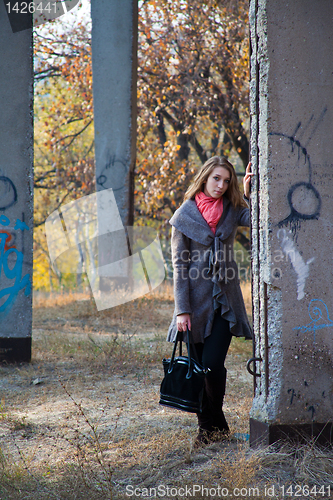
(215, 391)
(205, 422)
(212, 418)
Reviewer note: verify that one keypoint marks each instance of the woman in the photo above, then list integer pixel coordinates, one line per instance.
(208, 298)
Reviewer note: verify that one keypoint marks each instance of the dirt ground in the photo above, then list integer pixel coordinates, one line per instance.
(82, 420)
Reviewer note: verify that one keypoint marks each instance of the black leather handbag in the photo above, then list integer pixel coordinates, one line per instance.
(183, 384)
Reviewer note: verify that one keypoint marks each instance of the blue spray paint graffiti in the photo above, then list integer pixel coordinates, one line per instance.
(11, 264)
(21, 225)
(4, 221)
(318, 312)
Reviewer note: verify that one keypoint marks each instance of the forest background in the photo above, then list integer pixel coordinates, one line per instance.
(192, 88)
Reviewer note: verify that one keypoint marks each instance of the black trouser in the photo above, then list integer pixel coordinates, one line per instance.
(213, 351)
(212, 354)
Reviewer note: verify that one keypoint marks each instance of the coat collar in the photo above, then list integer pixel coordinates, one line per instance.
(189, 221)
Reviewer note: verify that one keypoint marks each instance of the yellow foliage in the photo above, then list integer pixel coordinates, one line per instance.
(41, 270)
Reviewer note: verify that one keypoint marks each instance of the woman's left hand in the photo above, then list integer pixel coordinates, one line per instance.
(247, 180)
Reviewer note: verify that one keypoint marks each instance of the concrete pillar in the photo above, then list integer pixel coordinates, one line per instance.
(16, 190)
(114, 55)
(292, 207)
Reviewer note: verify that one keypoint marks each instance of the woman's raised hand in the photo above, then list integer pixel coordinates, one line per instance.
(247, 180)
(183, 321)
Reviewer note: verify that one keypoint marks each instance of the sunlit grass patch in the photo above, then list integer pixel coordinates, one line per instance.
(149, 310)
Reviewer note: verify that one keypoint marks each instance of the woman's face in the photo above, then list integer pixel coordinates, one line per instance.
(217, 182)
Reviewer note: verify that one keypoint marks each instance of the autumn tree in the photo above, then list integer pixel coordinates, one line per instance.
(192, 103)
(64, 136)
(192, 95)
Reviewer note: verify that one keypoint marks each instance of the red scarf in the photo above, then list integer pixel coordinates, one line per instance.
(210, 208)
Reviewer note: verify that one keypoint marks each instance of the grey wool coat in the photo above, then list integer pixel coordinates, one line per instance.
(205, 272)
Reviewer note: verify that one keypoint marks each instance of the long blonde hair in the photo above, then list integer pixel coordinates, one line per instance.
(233, 193)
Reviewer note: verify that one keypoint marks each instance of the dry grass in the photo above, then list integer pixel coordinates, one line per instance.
(82, 420)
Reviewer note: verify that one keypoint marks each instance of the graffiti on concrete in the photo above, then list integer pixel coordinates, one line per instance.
(21, 225)
(313, 411)
(319, 315)
(8, 193)
(303, 198)
(4, 221)
(11, 232)
(292, 395)
(119, 171)
(300, 267)
(296, 397)
(11, 266)
(10, 240)
(305, 204)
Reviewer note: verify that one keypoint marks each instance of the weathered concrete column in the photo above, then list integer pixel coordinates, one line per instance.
(114, 53)
(16, 190)
(292, 207)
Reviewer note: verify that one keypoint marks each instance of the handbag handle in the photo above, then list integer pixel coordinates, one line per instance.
(189, 342)
(174, 351)
(189, 372)
(195, 355)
